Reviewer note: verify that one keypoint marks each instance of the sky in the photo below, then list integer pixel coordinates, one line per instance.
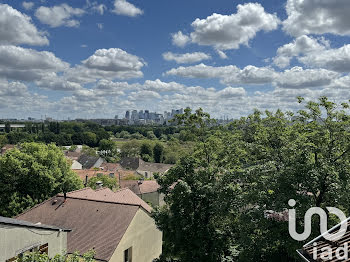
(97, 59)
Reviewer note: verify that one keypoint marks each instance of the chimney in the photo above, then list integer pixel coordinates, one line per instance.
(99, 184)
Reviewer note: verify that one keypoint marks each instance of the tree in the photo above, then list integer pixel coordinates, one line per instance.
(110, 182)
(240, 173)
(158, 153)
(146, 151)
(32, 174)
(130, 149)
(3, 140)
(151, 135)
(7, 127)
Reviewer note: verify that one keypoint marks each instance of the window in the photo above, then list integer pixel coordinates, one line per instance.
(128, 255)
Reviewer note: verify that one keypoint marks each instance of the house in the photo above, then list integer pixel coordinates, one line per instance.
(146, 190)
(143, 168)
(6, 148)
(90, 161)
(117, 225)
(18, 237)
(332, 250)
(76, 165)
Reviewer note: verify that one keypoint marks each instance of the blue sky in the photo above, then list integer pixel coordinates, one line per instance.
(100, 58)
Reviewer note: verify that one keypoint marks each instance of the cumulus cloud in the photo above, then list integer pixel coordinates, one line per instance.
(60, 15)
(297, 77)
(225, 32)
(186, 58)
(114, 60)
(28, 5)
(27, 64)
(53, 81)
(10, 89)
(317, 17)
(95, 7)
(332, 59)
(122, 7)
(179, 39)
(109, 64)
(17, 28)
(301, 45)
(227, 74)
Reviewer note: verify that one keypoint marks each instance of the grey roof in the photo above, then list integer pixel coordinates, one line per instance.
(88, 161)
(21, 223)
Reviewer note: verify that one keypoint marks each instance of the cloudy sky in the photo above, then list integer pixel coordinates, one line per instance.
(87, 58)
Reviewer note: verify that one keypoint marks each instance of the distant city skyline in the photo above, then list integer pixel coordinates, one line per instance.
(89, 59)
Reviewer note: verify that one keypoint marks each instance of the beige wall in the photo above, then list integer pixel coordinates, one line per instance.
(13, 239)
(155, 198)
(144, 238)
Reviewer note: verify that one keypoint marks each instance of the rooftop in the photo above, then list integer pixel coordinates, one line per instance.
(98, 219)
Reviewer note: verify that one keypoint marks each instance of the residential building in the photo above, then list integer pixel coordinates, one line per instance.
(146, 169)
(147, 190)
(18, 237)
(88, 162)
(313, 250)
(117, 225)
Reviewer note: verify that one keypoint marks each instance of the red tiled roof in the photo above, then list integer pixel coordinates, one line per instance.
(123, 196)
(140, 187)
(97, 225)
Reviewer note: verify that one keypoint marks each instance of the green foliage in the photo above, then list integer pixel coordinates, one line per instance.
(146, 151)
(32, 174)
(130, 149)
(151, 135)
(110, 182)
(158, 153)
(3, 140)
(218, 196)
(75, 257)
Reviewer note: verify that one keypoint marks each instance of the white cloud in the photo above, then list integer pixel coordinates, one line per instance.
(301, 45)
(227, 74)
(100, 26)
(28, 5)
(122, 7)
(186, 58)
(144, 94)
(54, 82)
(96, 7)
(225, 32)
(60, 15)
(113, 60)
(332, 59)
(221, 54)
(159, 86)
(109, 64)
(10, 89)
(317, 17)
(27, 64)
(297, 77)
(179, 39)
(17, 28)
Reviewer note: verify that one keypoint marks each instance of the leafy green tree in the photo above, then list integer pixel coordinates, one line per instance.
(32, 174)
(90, 139)
(124, 134)
(3, 140)
(110, 182)
(146, 151)
(158, 153)
(151, 135)
(7, 127)
(130, 149)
